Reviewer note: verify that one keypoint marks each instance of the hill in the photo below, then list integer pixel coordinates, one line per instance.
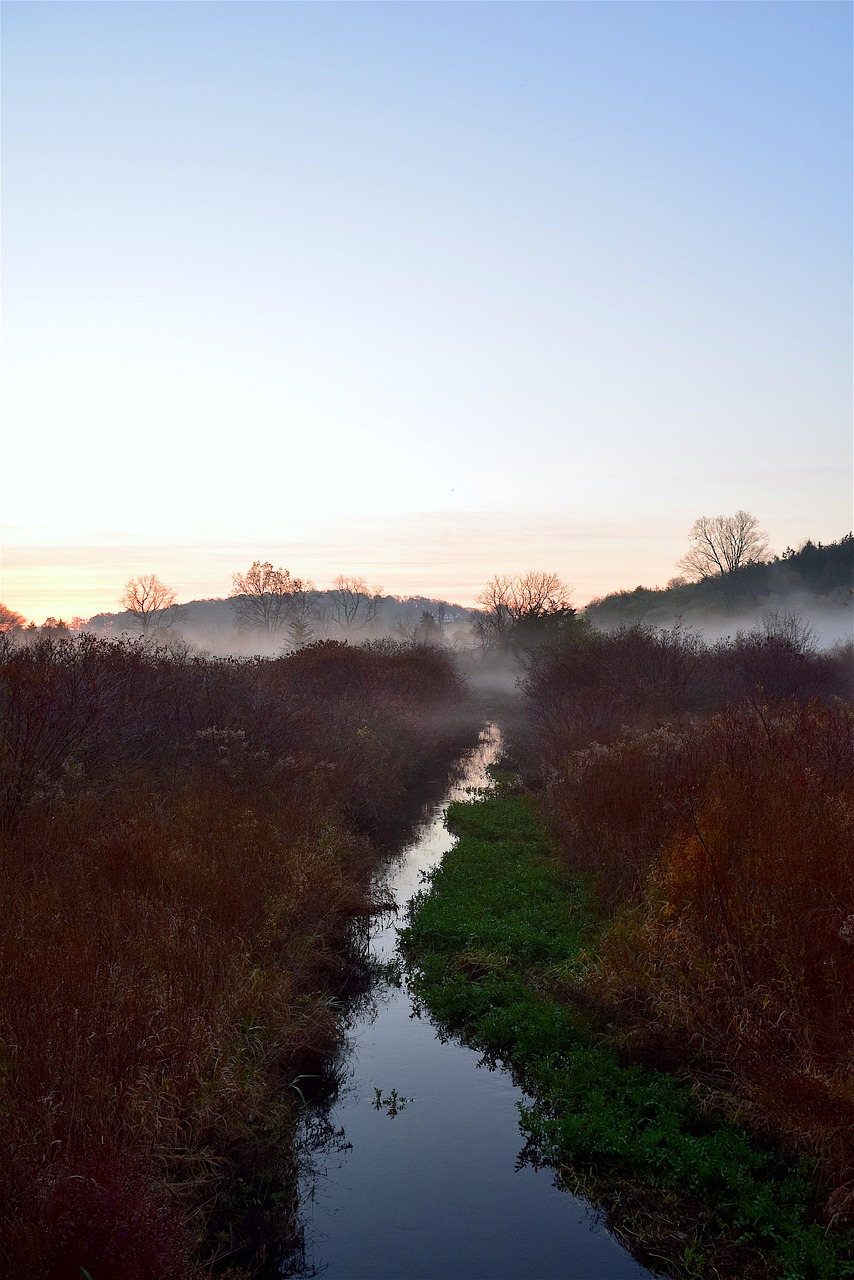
(817, 580)
(213, 624)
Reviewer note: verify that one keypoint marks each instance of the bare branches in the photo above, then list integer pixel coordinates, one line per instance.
(354, 603)
(149, 601)
(722, 545)
(270, 601)
(262, 597)
(10, 620)
(526, 601)
(537, 594)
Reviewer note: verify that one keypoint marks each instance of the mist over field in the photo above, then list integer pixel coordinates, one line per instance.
(211, 626)
(359, 361)
(829, 627)
(808, 594)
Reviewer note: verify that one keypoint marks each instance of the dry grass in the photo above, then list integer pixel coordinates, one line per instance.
(185, 844)
(723, 844)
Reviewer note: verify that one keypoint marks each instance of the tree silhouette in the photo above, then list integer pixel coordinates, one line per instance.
(262, 597)
(721, 545)
(522, 606)
(354, 603)
(149, 601)
(10, 619)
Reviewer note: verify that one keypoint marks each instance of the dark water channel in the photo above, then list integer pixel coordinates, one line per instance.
(423, 1178)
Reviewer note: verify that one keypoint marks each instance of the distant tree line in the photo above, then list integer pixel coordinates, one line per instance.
(727, 569)
(822, 572)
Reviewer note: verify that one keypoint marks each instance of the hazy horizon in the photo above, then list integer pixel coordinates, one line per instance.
(423, 293)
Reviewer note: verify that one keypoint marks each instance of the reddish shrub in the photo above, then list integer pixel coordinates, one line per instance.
(185, 845)
(101, 1212)
(729, 840)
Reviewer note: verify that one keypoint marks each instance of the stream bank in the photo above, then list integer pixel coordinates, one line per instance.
(415, 1166)
(497, 944)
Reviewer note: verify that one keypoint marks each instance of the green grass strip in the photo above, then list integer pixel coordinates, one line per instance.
(497, 930)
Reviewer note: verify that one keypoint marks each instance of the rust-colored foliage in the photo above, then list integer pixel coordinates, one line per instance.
(185, 842)
(99, 1210)
(745, 936)
(724, 843)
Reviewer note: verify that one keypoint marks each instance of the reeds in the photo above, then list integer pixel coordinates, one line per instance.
(722, 844)
(185, 843)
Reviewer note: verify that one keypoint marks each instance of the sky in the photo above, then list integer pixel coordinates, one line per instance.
(424, 292)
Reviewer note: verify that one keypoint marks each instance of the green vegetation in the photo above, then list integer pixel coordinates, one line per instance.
(500, 945)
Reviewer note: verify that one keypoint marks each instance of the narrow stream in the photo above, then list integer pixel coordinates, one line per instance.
(424, 1179)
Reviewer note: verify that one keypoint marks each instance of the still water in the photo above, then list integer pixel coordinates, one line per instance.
(424, 1178)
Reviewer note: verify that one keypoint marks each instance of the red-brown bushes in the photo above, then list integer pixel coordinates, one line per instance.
(597, 684)
(100, 1211)
(180, 863)
(611, 807)
(166, 974)
(730, 843)
(714, 812)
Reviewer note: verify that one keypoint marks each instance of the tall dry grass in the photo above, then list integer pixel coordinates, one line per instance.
(184, 845)
(723, 844)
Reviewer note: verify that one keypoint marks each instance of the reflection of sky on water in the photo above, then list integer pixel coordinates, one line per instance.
(436, 1189)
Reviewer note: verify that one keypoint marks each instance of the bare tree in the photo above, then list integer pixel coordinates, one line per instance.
(721, 545)
(494, 624)
(537, 594)
(10, 620)
(304, 618)
(354, 603)
(262, 597)
(150, 602)
(523, 602)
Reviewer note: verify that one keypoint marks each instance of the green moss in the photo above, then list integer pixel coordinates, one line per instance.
(500, 927)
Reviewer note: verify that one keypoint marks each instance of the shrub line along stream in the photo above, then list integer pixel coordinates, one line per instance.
(497, 945)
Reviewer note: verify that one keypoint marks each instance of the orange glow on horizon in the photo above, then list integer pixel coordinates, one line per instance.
(63, 582)
(439, 556)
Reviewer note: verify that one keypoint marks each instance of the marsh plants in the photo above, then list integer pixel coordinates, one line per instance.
(656, 937)
(185, 845)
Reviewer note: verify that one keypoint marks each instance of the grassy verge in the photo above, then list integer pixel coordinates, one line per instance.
(498, 945)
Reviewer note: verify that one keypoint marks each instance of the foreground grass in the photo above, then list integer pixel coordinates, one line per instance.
(498, 944)
(185, 844)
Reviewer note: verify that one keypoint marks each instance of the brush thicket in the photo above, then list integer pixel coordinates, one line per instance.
(717, 825)
(185, 844)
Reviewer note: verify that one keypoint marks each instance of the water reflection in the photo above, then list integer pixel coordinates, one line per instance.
(412, 1165)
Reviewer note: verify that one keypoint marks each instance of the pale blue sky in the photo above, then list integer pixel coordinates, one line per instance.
(424, 291)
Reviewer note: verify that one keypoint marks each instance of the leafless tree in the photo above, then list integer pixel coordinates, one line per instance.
(150, 602)
(526, 598)
(304, 621)
(10, 620)
(495, 622)
(721, 545)
(354, 603)
(531, 594)
(262, 597)
(537, 594)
